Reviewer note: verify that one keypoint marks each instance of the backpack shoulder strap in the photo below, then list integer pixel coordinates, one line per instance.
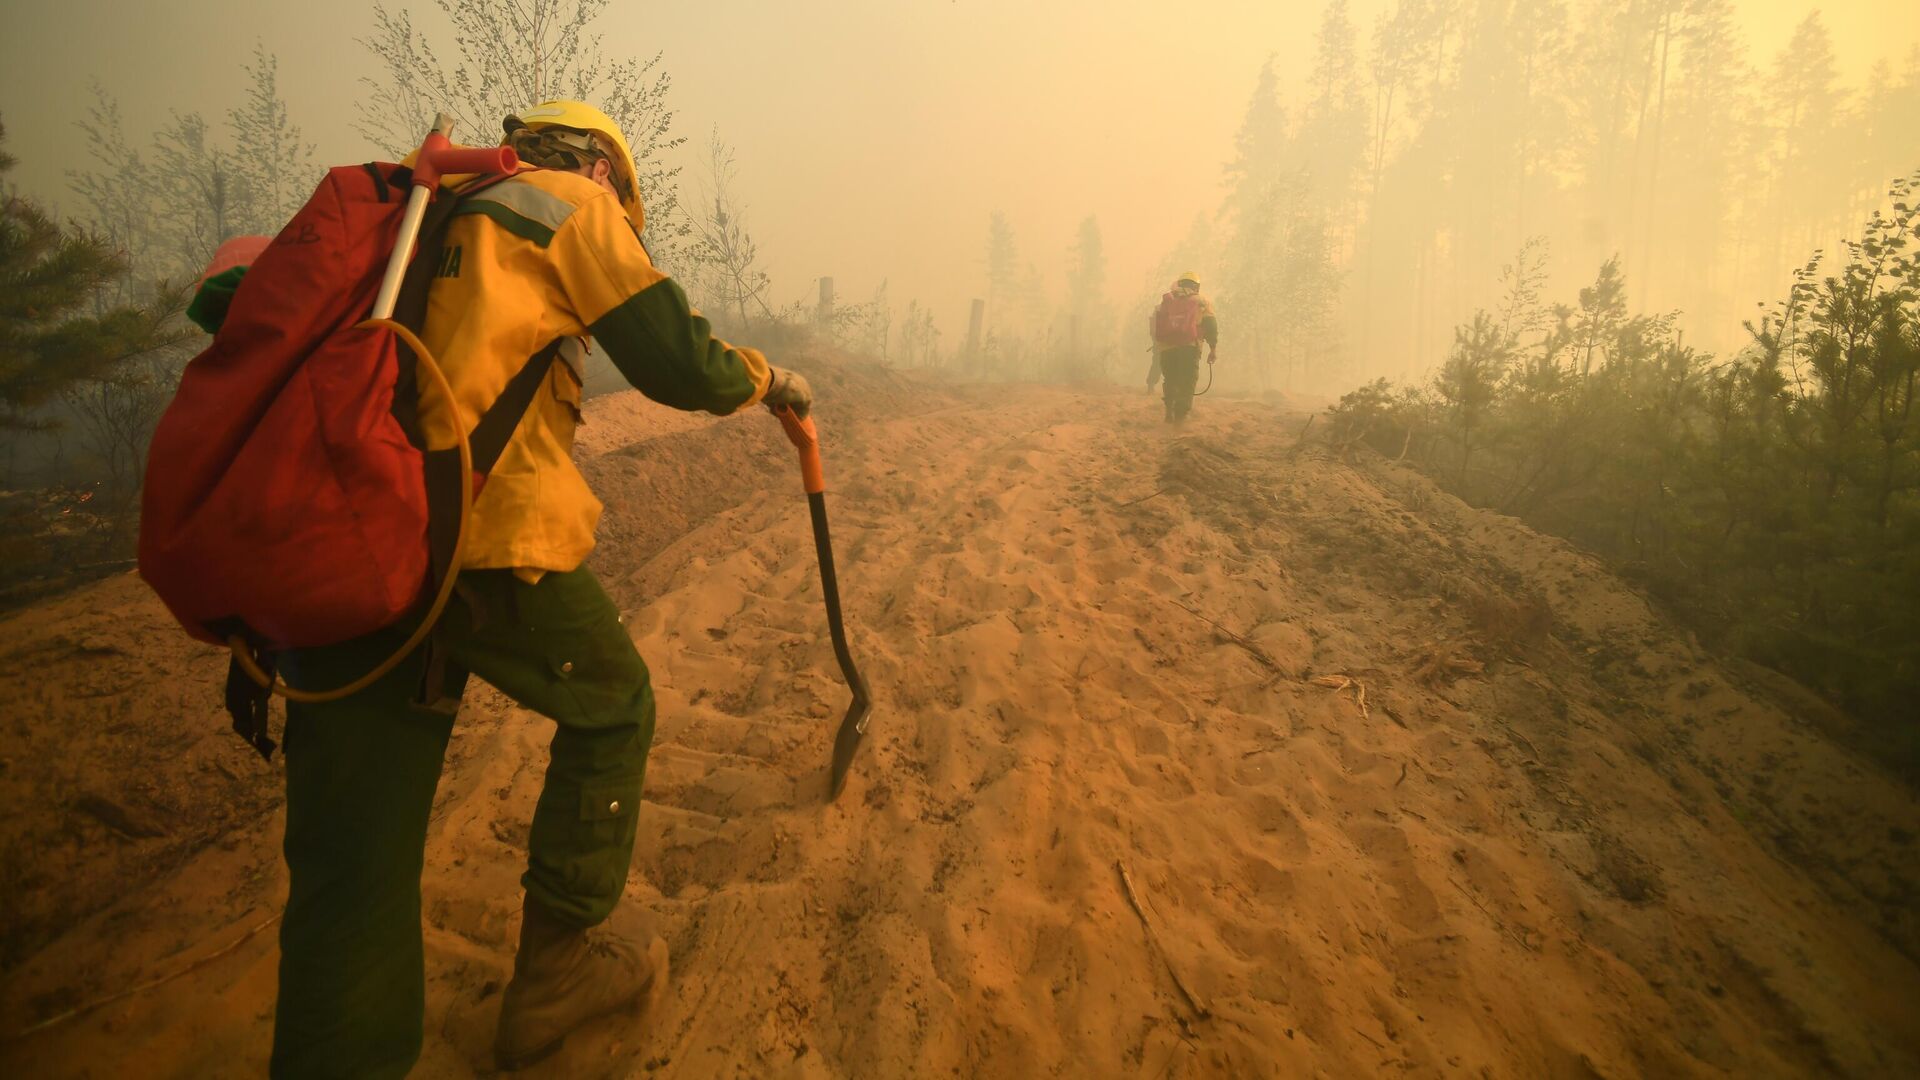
(487, 441)
(489, 437)
(410, 308)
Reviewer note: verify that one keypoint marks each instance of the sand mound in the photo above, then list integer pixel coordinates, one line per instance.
(1399, 784)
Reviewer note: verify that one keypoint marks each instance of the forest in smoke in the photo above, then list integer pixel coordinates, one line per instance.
(1374, 207)
(1619, 272)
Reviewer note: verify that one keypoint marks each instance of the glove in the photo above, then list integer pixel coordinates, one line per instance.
(787, 389)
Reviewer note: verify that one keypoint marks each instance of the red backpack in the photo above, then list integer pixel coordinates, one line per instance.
(1177, 320)
(289, 499)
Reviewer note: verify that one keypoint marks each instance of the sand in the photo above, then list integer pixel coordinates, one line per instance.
(1402, 786)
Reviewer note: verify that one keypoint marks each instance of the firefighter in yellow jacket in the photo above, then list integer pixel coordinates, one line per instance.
(552, 252)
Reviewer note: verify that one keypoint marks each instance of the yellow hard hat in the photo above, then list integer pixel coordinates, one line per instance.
(605, 137)
(1188, 276)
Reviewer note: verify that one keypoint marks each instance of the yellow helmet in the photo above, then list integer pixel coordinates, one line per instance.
(1188, 276)
(603, 136)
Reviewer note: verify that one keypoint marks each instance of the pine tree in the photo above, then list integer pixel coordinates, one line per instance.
(1262, 148)
(1333, 134)
(1089, 332)
(1482, 353)
(1889, 123)
(1804, 103)
(1416, 48)
(1003, 271)
(53, 334)
(1032, 305)
(1694, 206)
(1538, 34)
(1262, 181)
(1086, 270)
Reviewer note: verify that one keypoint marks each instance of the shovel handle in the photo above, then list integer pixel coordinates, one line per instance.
(437, 157)
(801, 433)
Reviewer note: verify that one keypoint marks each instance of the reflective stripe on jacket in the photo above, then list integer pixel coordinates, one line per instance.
(542, 256)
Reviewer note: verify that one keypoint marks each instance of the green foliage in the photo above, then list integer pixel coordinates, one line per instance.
(1466, 386)
(1774, 495)
(55, 333)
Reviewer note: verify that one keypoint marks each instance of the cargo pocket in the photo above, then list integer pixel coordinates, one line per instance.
(610, 800)
(565, 381)
(598, 679)
(594, 858)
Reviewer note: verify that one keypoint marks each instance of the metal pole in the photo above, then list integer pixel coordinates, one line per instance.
(417, 199)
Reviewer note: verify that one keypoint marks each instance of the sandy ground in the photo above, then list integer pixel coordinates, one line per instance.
(1402, 786)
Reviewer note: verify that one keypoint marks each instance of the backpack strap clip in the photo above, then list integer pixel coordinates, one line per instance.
(248, 703)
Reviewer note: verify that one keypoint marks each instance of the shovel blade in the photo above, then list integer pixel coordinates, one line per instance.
(846, 743)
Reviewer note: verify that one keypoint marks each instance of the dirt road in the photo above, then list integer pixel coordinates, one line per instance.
(1402, 785)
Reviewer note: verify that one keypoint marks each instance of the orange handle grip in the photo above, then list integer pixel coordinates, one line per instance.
(438, 157)
(806, 440)
(491, 159)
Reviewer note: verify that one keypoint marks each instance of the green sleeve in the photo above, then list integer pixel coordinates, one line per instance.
(209, 307)
(668, 352)
(1210, 329)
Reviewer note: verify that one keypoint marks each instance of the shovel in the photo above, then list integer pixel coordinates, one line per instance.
(854, 725)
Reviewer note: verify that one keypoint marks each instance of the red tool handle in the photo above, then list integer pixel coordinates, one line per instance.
(801, 432)
(438, 158)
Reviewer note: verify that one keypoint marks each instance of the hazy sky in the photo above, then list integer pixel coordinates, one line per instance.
(873, 137)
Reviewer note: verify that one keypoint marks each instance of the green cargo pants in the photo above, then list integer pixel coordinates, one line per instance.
(361, 774)
(1181, 365)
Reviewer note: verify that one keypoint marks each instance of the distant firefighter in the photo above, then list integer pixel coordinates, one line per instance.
(1182, 321)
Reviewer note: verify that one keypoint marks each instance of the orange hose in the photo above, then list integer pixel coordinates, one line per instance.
(243, 655)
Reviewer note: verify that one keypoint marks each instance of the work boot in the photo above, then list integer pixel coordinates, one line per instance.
(563, 977)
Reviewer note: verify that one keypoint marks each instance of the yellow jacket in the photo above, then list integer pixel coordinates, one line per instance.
(550, 255)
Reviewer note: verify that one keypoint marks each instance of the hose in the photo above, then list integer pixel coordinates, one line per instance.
(243, 654)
